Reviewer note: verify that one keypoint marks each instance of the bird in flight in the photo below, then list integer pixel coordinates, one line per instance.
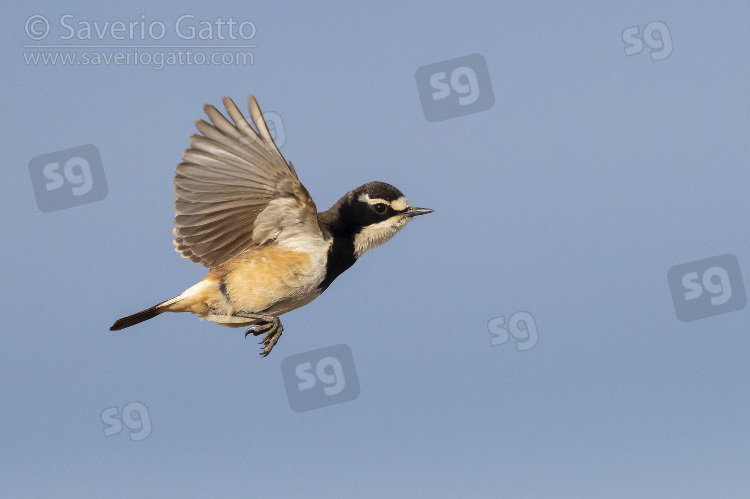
(241, 211)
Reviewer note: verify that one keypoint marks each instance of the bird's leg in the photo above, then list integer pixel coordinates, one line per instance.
(269, 324)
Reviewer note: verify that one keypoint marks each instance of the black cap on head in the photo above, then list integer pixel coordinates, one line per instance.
(379, 190)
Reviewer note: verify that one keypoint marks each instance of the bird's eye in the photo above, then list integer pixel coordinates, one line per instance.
(380, 208)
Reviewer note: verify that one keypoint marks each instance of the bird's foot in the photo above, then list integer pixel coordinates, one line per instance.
(268, 324)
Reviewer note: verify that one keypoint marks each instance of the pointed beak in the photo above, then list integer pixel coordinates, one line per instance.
(413, 212)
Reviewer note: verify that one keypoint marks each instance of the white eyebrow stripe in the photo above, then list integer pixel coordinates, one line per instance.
(364, 197)
(399, 204)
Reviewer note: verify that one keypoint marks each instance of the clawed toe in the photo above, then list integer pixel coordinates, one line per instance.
(270, 325)
(270, 339)
(259, 329)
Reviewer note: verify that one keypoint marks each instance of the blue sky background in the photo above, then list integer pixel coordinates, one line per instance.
(592, 175)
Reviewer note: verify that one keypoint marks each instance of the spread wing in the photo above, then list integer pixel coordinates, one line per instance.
(234, 190)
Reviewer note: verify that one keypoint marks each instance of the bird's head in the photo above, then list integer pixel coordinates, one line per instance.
(378, 211)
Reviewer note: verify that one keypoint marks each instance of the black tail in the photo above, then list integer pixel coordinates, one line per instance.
(136, 318)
